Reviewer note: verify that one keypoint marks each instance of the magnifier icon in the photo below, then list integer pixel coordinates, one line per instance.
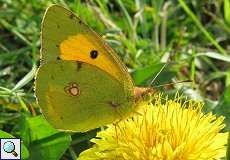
(9, 147)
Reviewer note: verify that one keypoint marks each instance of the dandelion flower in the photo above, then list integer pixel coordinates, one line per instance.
(169, 130)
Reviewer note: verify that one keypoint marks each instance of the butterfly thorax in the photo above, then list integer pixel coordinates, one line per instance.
(143, 95)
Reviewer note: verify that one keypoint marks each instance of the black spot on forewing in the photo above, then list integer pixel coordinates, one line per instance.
(58, 58)
(93, 54)
(80, 22)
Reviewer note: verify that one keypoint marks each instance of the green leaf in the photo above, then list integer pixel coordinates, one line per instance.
(25, 153)
(44, 141)
(143, 74)
(52, 147)
(215, 55)
(223, 107)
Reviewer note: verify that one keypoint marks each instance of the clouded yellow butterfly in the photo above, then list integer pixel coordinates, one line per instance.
(81, 83)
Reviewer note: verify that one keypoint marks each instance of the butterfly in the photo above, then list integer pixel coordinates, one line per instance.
(81, 83)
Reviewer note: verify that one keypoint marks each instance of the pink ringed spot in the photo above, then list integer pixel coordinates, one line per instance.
(72, 89)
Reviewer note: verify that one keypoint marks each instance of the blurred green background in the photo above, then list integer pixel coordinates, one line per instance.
(192, 37)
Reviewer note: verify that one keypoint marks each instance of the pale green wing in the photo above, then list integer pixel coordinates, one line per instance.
(77, 96)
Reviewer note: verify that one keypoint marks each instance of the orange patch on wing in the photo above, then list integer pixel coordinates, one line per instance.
(78, 48)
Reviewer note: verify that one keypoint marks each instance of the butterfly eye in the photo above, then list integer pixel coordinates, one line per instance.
(93, 54)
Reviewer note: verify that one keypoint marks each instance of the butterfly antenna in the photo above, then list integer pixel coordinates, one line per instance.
(162, 68)
(168, 84)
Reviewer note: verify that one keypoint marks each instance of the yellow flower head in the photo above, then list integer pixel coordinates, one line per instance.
(163, 131)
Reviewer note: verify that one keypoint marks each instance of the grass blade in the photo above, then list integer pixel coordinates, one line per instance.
(200, 26)
(28, 77)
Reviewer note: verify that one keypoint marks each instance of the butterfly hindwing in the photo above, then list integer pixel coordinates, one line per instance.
(78, 96)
